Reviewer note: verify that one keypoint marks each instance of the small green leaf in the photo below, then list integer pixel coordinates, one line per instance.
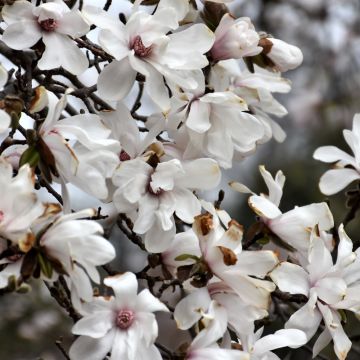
(30, 156)
(45, 266)
(184, 257)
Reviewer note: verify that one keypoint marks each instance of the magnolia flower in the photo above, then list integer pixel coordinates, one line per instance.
(78, 149)
(293, 227)
(4, 116)
(123, 324)
(329, 288)
(216, 125)
(153, 54)
(235, 39)
(157, 193)
(78, 247)
(283, 55)
(347, 167)
(222, 251)
(53, 22)
(19, 206)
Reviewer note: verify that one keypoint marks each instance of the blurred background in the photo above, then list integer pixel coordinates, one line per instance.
(324, 98)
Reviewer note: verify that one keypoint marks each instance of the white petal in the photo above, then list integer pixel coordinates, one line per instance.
(95, 325)
(114, 44)
(73, 24)
(147, 302)
(335, 180)
(199, 117)
(4, 121)
(331, 290)
(291, 278)
(345, 246)
(62, 51)
(91, 349)
(321, 342)
(22, 35)
(157, 240)
(116, 80)
(330, 154)
(292, 338)
(263, 207)
(202, 174)
(19, 11)
(191, 309)
(187, 205)
(125, 288)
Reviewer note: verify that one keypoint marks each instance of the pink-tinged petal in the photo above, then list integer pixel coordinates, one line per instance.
(335, 180)
(331, 290)
(321, 342)
(192, 308)
(292, 338)
(199, 117)
(116, 80)
(73, 24)
(22, 35)
(187, 205)
(20, 11)
(202, 174)
(88, 348)
(62, 51)
(291, 278)
(158, 240)
(330, 154)
(263, 207)
(307, 318)
(125, 289)
(95, 325)
(342, 343)
(147, 302)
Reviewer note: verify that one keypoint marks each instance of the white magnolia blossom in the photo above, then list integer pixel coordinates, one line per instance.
(293, 227)
(78, 246)
(83, 152)
(347, 167)
(222, 251)
(123, 324)
(216, 125)
(153, 53)
(235, 39)
(159, 193)
(4, 116)
(283, 55)
(53, 22)
(329, 288)
(19, 205)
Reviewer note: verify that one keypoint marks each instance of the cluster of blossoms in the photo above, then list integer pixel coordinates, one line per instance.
(209, 81)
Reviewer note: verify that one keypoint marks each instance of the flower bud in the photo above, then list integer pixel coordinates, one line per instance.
(235, 38)
(283, 55)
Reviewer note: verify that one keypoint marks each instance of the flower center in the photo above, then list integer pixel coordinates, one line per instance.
(124, 319)
(139, 48)
(48, 25)
(124, 156)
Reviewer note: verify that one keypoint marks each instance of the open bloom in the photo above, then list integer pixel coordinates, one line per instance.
(293, 226)
(329, 288)
(78, 149)
(159, 192)
(19, 206)
(153, 53)
(235, 38)
(123, 324)
(53, 22)
(78, 247)
(347, 167)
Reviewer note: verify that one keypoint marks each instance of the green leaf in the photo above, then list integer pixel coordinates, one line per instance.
(184, 257)
(30, 156)
(45, 266)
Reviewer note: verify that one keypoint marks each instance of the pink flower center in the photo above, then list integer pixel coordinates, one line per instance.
(124, 319)
(48, 25)
(124, 156)
(139, 48)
